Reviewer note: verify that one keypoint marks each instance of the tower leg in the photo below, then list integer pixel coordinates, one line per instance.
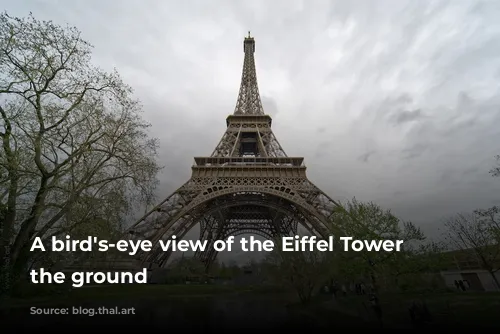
(211, 229)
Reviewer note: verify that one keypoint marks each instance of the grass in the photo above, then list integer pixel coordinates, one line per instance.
(132, 291)
(185, 302)
(458, 308)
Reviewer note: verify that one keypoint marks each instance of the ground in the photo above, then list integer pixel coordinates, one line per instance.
(203, 307)
(447, 308)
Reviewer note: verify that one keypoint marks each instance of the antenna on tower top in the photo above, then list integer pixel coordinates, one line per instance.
(249, 34)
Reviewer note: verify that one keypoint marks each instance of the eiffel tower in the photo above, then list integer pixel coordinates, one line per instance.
(248, 185)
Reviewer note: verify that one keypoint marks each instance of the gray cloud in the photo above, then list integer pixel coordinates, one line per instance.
(337, 76)
(408, 116)
(366, 156)
(415, 151)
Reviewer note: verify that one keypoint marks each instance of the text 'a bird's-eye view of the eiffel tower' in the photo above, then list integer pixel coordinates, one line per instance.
(248, 185)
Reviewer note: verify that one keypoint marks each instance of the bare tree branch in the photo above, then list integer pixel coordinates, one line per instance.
(472, 233)
(75, 150)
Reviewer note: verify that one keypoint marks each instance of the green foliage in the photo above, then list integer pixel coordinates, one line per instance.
(224, 271)
(301, 271)
(368, 221)
(477, 233)
(491, 219)
(184, 268)
(304, 271)
(75, 152)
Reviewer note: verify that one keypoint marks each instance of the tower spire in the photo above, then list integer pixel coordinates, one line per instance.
(249, 102)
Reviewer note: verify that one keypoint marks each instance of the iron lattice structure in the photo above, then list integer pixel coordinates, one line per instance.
(247, 185)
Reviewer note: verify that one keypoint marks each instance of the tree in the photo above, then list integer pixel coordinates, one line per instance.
(491, 219)
(301, 271)
(495, 171)
(75, 151)
(415, 260)
(473, 233)
(184, 268)
(368, 221)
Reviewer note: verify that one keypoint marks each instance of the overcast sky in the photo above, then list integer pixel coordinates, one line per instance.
(397, 102)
